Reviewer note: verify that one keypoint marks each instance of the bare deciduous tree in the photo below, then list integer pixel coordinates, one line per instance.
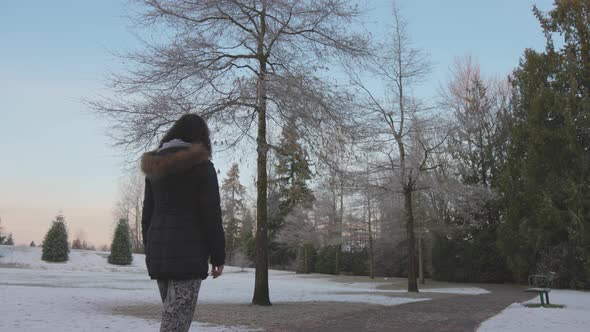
(300, 233)
(369, 193)
(130, 206)
(475, 104)
(241, 260)
(400, 126)
(237, 62)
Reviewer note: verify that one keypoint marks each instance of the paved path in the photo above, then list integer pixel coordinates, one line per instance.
(455, 313)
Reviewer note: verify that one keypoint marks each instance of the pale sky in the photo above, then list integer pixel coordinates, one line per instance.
(55, 155)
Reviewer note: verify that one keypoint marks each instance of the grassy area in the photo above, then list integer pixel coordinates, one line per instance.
(538, 305)
(390, 283)
(402, 284)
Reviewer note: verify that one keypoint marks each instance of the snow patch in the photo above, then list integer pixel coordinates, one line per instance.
(517, 317)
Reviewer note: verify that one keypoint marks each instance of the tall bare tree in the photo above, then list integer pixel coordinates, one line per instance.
(477, 106)
(237, 62)
(399, 124)
(476, 103)
(369, 193)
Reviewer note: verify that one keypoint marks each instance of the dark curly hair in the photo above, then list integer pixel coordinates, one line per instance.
(190, 128)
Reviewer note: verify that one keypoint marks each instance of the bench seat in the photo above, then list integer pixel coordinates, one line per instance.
(541, 284)
(537, 290)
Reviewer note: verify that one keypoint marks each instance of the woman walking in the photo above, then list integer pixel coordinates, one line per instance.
(181, 219)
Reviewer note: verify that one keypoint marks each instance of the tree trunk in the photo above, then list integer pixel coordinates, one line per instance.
(137, 227)
(412, 284)
(305, 266)
(261, 292)
(340, 223)
(420, 261)
(371, 254)
(335, 232)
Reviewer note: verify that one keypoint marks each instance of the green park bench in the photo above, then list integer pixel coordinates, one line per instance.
(541, 284)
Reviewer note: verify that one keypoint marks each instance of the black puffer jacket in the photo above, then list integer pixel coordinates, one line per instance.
(181, 219)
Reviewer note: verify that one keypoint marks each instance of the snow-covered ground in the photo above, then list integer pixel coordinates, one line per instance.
(72, 296)
(79, 260)
(77, 295)
(575, 317)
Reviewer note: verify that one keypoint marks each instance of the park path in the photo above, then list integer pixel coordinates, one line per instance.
(455, 313)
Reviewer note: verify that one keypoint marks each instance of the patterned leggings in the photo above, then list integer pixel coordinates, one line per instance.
(179, 298)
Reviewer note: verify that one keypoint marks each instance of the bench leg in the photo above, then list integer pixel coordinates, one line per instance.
(547, 297)
(542, 300)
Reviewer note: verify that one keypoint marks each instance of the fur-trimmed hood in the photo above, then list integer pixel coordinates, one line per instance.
(156, 164)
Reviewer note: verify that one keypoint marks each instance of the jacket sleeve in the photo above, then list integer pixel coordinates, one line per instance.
(146, 215)
(212, 217)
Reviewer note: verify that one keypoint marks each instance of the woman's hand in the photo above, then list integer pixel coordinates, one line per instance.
(216, 271)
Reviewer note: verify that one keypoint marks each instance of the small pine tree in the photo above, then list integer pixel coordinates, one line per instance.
(77, 244)
(2, 237)
(32, 244)
(55, 244)
(121, 246)
(9, 240)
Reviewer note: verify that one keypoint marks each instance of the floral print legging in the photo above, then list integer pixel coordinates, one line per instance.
(179, 298)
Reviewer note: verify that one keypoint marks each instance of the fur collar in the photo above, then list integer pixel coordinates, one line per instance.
(154, 164)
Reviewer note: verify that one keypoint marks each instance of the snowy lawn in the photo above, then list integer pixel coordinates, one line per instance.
(574, 317)
(80, 260)
(80, 295)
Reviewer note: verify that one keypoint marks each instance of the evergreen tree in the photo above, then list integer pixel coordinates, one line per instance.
(55, 244)
(121, 246)
(247, 229)
(77, 244)
(232, 195)
(470, 245)
(292, 197)
(247, 240)
(546, 179)
(32, 244)
(472, 143)
(9, 240)
(2, 237)
(293, 174)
